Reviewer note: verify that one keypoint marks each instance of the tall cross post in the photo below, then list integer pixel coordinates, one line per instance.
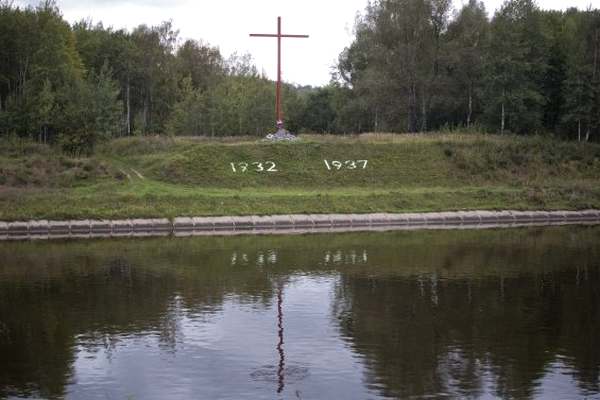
(278, 35)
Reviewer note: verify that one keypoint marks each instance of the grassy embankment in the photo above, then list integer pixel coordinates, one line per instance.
(162, 177)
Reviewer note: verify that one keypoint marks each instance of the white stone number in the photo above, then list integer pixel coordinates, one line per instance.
(348, 164)
(257, 166)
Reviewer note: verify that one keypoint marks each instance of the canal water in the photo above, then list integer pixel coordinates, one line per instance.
(508, 313)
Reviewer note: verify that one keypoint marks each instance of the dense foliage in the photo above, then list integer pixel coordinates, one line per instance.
(78, 84)
(411, 67)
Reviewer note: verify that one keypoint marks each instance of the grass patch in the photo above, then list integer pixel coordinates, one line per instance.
(169, 177)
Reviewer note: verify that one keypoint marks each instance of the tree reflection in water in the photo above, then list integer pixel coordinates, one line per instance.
(465, 337)
(463, 314)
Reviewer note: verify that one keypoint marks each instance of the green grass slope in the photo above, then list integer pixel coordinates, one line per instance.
(410, 161)
(165, 177)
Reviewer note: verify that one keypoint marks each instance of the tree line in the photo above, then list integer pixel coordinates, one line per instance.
(413, 66)
(78, 84)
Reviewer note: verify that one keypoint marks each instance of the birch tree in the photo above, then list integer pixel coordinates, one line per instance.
(467, 39)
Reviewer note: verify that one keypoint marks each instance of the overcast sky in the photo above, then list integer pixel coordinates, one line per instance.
(227, 23)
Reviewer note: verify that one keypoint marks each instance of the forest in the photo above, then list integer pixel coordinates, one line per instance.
(413, 66)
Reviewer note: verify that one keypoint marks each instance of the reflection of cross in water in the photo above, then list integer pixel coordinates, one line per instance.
(281, 370)
(281, 373)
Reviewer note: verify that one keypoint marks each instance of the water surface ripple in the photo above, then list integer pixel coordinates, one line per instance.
(433, 314)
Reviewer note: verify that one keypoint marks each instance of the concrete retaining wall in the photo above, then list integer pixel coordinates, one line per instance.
(302, 223)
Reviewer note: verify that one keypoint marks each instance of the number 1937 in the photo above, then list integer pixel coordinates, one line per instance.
(348, 164)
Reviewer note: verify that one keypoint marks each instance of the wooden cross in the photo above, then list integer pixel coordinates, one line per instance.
(279, 35)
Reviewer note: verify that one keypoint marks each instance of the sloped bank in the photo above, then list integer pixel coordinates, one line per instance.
(158, 177)
(286, 224)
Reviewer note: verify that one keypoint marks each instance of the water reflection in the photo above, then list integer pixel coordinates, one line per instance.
(281, 369)
(511, 314)
(501, 335)
(328, 258)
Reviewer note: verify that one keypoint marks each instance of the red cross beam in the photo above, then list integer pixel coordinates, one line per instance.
(278, 35)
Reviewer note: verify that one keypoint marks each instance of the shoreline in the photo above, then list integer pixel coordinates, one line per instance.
(289, 224)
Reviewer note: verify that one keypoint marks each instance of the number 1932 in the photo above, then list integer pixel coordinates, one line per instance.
(348, 164)
(267, 166)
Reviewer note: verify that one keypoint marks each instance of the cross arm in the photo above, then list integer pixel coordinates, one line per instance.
(276, 35)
